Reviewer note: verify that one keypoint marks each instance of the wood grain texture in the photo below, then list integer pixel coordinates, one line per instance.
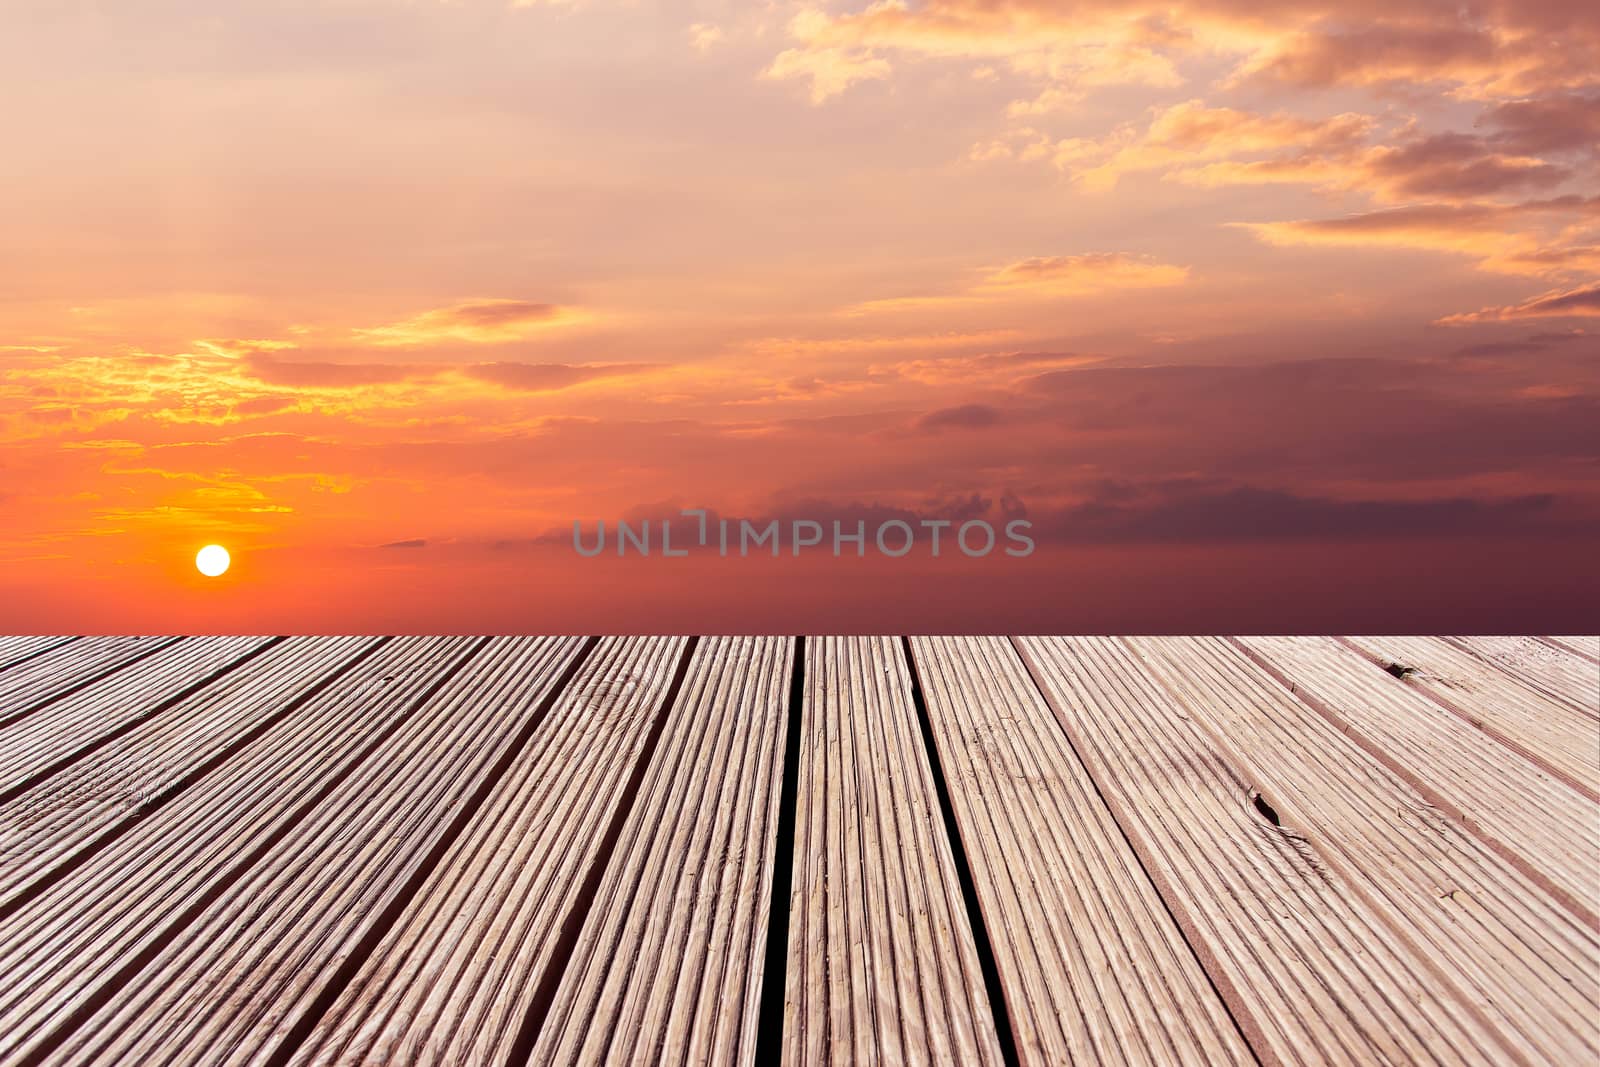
(229, 984)
(1587, 646)
(1094, 968)
(14, 650)
(882, 965)
(1563, 738)
(1526, 964)
(77, 807)
(452, 980)
(1480, 782)
(33, 683)
(1258, 898)
(1552, 669)
(119, 700)
(80, 943)
(460, 850)
(667, 965)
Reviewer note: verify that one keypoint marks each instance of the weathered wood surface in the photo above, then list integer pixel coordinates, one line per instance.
(1557, 733)
(1523, 811)
(1521, 959)
(668, 963)
(882, 965)
(455, 976)
(743, 850)
(1091, 962)
(1255, 892)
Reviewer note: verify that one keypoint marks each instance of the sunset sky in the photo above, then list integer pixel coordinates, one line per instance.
(1266, 315)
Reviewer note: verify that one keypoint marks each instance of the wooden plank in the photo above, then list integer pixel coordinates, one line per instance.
(1093, 967)
(1463, 770)
(1256, 898)
(1587, 646)
(882, 965)
(453, 979)
(34, 683)
(1528, 964)
(1557, 735)
(1557, 672)
(79, 806)
(80, 941)
(667, 965)
(14, 650)
(117, 701)
(229, 985)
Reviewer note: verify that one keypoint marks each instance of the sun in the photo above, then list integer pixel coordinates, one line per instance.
(212, 561)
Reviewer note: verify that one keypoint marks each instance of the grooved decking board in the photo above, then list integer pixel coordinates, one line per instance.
(15, 649)
(71, 723)
(667, 966)
(1555, 671)
(237, 976)
(81, 941)
(1526, 963)
(1093, 967)
(882, 966)
(1493, 790)
(73, 808)
(1586, 646)
(452, 980)
(1258, 899)
(1563, 738)
(34, 683)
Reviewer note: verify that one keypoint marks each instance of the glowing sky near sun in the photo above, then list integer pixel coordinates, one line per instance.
(1223, 295)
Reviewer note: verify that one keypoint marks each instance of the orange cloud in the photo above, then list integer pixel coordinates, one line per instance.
(1484, 230)
(1043, 277)
(474, 321)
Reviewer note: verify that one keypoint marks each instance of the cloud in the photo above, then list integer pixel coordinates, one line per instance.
(1558, 122)
(320, 375)
(1582, 302)
(1043, 277)
(1091, 273)
(961, 417)
(475, 321)
(829, 70)
(1498, 49)
(544, 377)
(1482, 229)
(415, 542)
(1183, 513)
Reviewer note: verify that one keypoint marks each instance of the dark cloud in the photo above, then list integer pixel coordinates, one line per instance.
(962, 417)
(1248, 513)
(1460, 166)
(1557, 122)
(1582, 301)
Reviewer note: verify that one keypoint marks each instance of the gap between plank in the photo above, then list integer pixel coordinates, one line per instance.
(958, 854)
(1232, 1000)
(775, 970)
(42, 1053)
(571, 927)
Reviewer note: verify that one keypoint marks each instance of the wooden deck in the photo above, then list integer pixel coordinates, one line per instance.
(985, 851)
